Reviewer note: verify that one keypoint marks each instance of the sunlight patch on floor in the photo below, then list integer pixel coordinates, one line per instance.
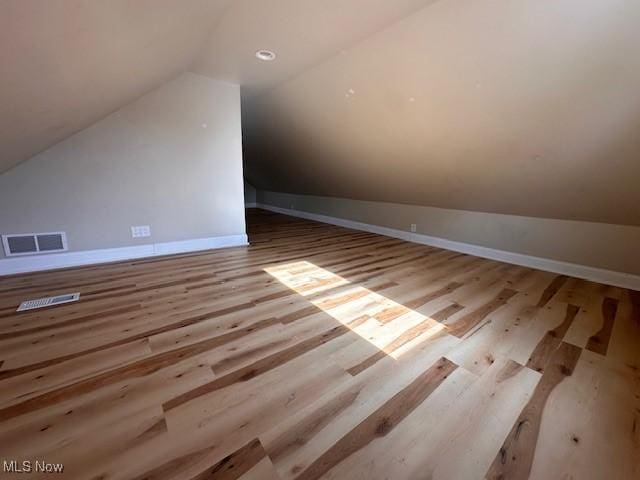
(388, 325)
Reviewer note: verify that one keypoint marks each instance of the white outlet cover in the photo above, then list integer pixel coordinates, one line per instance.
(141, 231)
(414, 227)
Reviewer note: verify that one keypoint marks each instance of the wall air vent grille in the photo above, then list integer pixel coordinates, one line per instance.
(48, 301)
(34, 243)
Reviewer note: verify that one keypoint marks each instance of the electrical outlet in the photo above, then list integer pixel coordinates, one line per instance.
(414, 227)
(141, 231)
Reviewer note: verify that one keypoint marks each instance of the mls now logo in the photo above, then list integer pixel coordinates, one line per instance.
(27, 466)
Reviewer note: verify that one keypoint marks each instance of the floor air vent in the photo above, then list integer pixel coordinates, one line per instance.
(34, 243)
(48, 301)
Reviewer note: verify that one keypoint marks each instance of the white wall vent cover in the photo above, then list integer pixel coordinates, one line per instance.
(34, 243)
(48, 301)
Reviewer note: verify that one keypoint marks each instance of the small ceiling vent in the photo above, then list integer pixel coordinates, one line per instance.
(34, 243)
(48, 301)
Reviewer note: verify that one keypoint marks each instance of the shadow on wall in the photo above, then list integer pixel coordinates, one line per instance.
(249, 194)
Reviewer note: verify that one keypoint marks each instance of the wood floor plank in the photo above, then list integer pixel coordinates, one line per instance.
(310, 353)
(406, 337)
(263, 470)
(234, 466)
(137, 369)
(515, 458)
(544, 351)
(551, 290)
(587, 428)
(382, 421)
(465, 324)
(452, 434)
(257, 368)
(599, 342)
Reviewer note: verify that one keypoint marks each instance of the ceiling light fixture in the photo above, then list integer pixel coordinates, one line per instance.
(266, 55)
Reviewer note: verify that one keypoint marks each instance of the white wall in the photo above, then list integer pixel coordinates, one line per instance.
(171, 160)
(597, 245)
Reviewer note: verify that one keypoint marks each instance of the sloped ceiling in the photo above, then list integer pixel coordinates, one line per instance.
(302, 32)
(528, 107)
(66, 64)
(525, 107)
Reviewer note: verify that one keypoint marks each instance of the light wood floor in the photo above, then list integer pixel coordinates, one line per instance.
(321, 352)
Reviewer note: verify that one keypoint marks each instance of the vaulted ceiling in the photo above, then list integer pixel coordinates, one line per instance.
(528, 107)
(304, 33)
(66, 64)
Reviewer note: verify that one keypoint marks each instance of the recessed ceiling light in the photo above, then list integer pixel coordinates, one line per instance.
(266, 55)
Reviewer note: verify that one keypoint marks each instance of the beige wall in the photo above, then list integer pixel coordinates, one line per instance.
(519, 107)
(599, 245)
(171, 160)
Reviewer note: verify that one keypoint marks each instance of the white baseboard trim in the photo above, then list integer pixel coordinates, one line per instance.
(37, 263)
(609, 277)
